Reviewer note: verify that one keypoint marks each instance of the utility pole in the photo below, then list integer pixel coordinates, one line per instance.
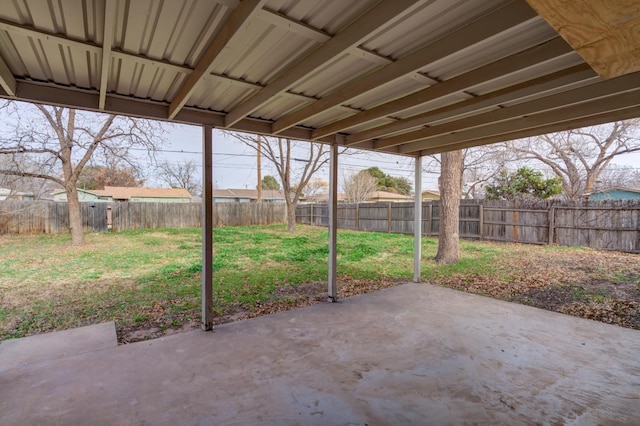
(259, 161)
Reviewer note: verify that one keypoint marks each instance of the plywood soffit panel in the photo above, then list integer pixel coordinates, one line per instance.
(605, 33)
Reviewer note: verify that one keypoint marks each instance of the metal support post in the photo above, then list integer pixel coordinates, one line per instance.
(207, 228)
(417, 225)
(333, 223)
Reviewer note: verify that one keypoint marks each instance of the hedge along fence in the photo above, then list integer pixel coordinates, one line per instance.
(37, 217)
(610, 225)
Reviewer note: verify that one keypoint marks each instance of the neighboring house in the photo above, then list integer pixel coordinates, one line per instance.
(8, 194)
(375, 197)
(431, 195)
(122, 193)
(615, 193)
(388, 197)
(247, 196)
(84, 195)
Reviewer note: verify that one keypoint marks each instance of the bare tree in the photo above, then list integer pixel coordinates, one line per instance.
(97, 177)
(450, 192)
(619, 176)
(62, 142)
(580, 156)
(38, 187)
(316, 186)
(479, 166)
(181, 175)
(359, 186)
(281, 153)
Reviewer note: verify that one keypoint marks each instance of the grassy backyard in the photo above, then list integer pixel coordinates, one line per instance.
(148, 281)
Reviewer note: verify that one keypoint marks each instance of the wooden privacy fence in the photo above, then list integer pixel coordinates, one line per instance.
(37, 217)
(604, 225)
(188, 215)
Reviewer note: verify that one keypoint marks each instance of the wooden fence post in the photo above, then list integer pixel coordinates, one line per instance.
(552, 222)
(481, 221)
(357, 216)
(430, 220)
(389, 218)
(311, 219)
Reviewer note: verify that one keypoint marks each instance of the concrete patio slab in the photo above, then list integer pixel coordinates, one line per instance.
(49, 346)
(412, 354)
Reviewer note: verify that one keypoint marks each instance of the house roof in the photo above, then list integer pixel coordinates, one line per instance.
(389, 195)
(125, 193)
(410, 77)
(614, 188)
(431, 191)
(267, 194)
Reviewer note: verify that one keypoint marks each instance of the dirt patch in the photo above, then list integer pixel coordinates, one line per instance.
(283, 298)
(598, 285)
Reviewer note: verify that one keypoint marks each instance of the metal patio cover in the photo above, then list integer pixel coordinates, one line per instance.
(410, 77)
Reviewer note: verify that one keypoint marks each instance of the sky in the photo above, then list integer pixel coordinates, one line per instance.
(234, 164)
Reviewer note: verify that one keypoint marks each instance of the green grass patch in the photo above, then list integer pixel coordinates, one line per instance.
(151, 278)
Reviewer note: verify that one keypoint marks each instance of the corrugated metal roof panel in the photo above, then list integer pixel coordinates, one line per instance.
(220, 95)
(529, 73)
(77, 19)
(174, 31)
(327, 15)
(329, 78)
(435, 104)
(158, 54)
(521, 37)
(263, 57)
(329, 115)
(371, 124)
(386, 92)
(433, 21)
(280, 105)
(31, 55)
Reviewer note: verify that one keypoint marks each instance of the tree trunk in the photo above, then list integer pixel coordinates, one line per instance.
(450, 193)
(75, 220)
(291, 217)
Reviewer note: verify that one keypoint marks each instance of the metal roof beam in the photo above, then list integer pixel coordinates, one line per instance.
(145, 61)
(595, 107)
(519, 61)
(504, 18)
(107, 41)
(233, 26)
(383, 14)
(7, 80)
(593, 120)
(599, 90)
(578, 73)
(88, 100)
